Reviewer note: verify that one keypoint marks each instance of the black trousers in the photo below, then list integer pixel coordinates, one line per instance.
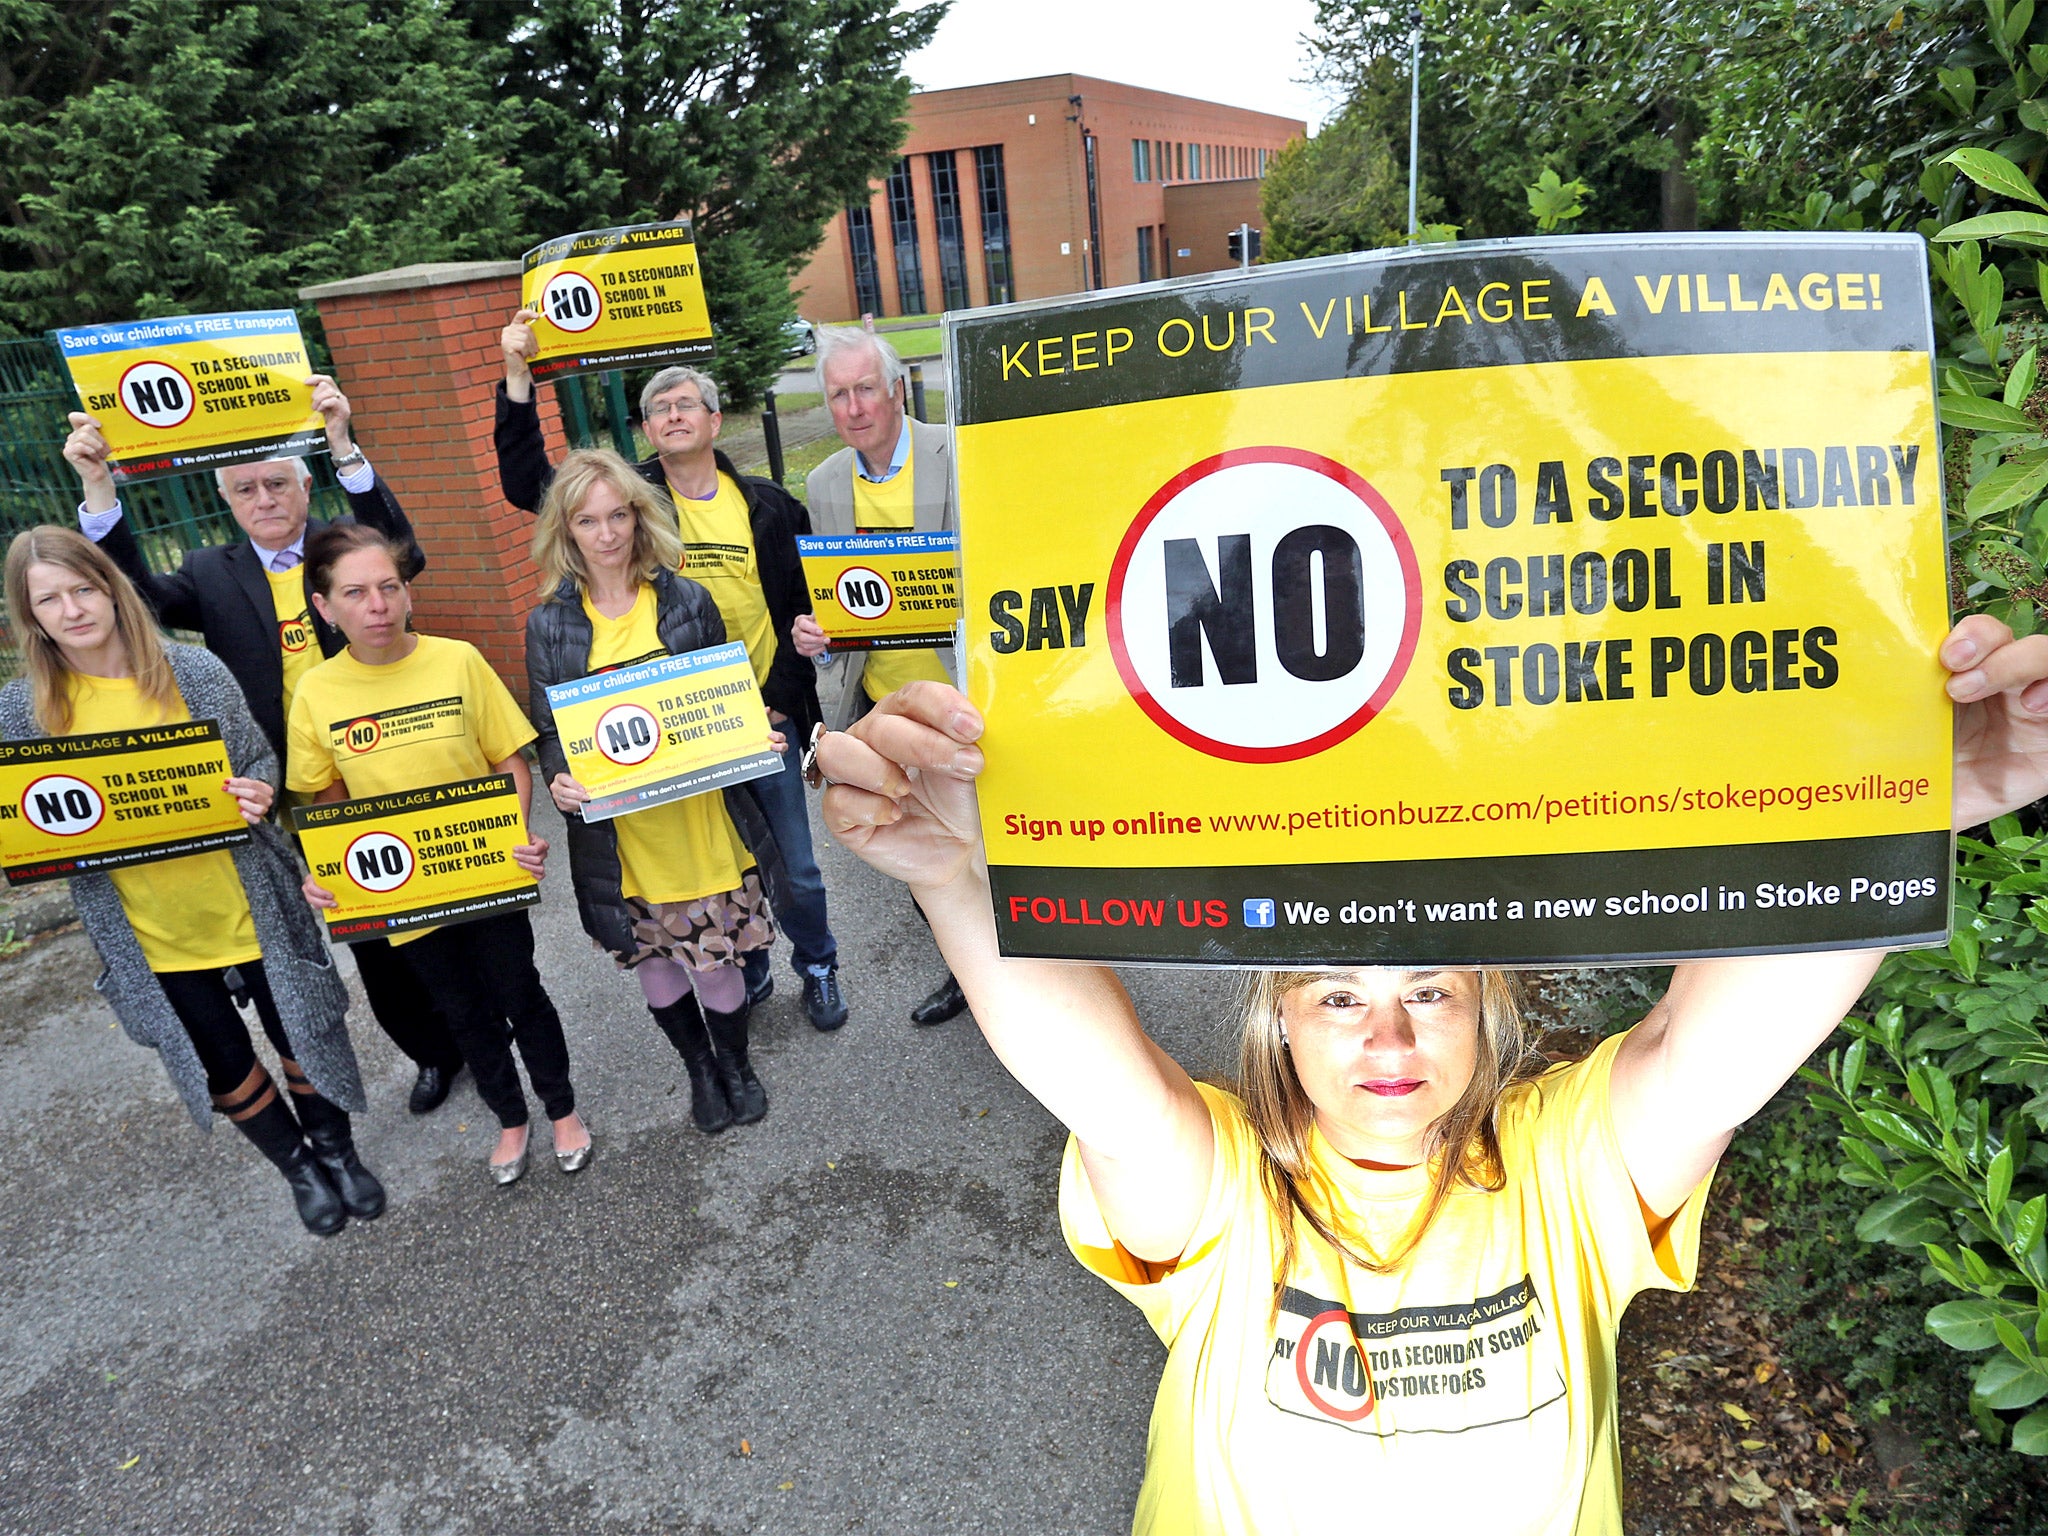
(481, 974)
(204, 1006)
(403, 1007)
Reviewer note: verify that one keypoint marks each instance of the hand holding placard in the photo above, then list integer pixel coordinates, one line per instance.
(923, 830)
(2000, 686)
(85, 450)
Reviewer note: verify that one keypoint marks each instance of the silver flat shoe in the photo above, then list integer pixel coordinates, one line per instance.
(512, 1172)
(571, 1162)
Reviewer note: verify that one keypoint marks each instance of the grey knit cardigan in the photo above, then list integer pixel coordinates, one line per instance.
(311, 998)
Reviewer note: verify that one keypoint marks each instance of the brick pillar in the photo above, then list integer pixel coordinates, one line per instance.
(416, 351)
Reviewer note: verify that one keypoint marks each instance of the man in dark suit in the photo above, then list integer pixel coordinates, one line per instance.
(248, 600)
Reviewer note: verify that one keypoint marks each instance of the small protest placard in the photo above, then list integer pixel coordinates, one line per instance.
(883, 591)
(662, 729)
(1519, 603)
(629, 297)
(197, 391)
(73, 804)
(422, 858)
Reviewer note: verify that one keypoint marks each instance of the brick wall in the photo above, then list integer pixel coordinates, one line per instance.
(416, 351)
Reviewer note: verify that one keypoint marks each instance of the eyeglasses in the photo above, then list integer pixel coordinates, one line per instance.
(661, 410)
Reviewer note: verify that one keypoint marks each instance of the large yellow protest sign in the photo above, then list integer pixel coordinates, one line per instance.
(662, 729)
(73, 804)
(419, 859)
(882, 591)
(1547, 601)
(195, 392)
(616, 298)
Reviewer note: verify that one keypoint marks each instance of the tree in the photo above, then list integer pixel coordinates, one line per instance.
(169, 156)
(760, 119)
(1346, 189)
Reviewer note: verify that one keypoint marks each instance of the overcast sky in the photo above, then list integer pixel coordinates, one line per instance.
(1241, 55)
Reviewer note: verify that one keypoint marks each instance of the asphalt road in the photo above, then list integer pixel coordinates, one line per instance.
(857, 1315)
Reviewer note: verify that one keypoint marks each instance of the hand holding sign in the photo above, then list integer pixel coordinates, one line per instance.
(2000, 686)
(334, 411)
(85, 450)
(251, 796)
(520, 346)
(901, 790)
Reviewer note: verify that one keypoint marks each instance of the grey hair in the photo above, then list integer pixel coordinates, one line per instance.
(220, 476)
(838, 340)
(669, 378)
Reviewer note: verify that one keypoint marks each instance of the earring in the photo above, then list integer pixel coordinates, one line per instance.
(1284, 1044)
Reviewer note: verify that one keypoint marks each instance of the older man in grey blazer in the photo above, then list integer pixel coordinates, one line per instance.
(894, 473)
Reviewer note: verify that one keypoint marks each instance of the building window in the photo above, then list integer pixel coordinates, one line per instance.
(1141, 159)
(1180, 162)
(946, 221)
(867, 277)
(1146, 267)
(903, 237)
(1162, 159)
(995, 222)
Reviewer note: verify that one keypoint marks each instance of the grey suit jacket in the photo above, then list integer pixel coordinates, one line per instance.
(829, 491)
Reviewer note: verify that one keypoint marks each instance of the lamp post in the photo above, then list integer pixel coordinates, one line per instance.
(1414, 107)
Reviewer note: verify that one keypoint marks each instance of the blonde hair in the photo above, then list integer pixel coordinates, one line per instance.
(1463, 1146)
(657, 544)
(49, 673)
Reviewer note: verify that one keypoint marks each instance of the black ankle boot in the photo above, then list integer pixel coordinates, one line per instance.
(276, 1135)
(743, 1090)
(334, 1146)
(683, 1022)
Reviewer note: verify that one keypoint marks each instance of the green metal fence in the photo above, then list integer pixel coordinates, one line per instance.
(169, 516)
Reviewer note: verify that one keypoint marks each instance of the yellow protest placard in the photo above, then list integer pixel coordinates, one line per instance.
(423, 858)
(197, 391)
(616, 298)
(882, 591)
(1536, 602)
(662, 729)
(73, 804)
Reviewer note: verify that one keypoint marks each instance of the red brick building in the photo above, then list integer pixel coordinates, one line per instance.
(1029, 188)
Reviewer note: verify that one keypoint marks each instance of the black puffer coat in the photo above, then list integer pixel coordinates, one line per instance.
(558, 637)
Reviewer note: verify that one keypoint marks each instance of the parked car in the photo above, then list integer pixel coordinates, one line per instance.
(800, 337)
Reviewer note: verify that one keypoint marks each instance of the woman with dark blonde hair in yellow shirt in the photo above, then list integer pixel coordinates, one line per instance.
(1389, 1271)
(183, 938)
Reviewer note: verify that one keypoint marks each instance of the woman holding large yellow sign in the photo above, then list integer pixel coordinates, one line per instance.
(181, 937)
(1389, 1269)
(672, 890)
(395, 711)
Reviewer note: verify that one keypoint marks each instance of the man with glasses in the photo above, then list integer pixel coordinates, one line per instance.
(248, 600)
(739, 535)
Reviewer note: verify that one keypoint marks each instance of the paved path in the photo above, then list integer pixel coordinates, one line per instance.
(579, 1355)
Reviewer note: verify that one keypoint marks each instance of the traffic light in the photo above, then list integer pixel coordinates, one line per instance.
(1237, 238)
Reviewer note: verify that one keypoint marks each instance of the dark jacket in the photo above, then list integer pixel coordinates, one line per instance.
(557, 651)
(221, 591)
(776, 516)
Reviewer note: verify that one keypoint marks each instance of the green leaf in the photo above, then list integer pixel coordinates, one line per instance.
(1852, 1066)
(2020, 382)
(1976, 414)
(2026, 1227)
(2016, 23)
(1966, 1325)
(2030, 1435)
(1963, 944)
(2013, 228)
(1993, 172)
(1998, 1181)
(1961, 86)
(2003, 1382)
(1905, 1221)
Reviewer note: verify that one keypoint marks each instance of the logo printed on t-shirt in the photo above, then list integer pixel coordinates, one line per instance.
(405, 726)
(294, 635)
(1440, 1369)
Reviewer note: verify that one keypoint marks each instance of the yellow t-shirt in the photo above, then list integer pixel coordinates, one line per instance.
(296, 647)
(879, 509)
(189, 914)
(1474, 1390)
(683, 849)
(718, 553)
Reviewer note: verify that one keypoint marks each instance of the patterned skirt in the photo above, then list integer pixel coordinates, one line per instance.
(712, 930)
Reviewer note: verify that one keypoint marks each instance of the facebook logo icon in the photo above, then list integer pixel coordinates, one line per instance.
(1258, 912)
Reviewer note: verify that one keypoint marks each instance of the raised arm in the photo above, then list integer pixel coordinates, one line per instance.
(523, 468)
(174, 598)
(1730, 1032)
(902, 798)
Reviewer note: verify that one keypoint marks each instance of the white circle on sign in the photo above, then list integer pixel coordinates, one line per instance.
(379, 861)
(62, 806)
(156, 394)
(571, 302)
(864, 593)
(628, 734)
(1264, 605)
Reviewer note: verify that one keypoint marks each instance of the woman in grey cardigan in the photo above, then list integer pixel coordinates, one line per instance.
(180, 938)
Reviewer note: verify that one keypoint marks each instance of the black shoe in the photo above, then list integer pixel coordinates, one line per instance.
(743, 1090)
(275, 1133)
(946, 1002)
(760, 978)
(824, 1003)
(683, 1022)
(430, 1088)
(334, 1149)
